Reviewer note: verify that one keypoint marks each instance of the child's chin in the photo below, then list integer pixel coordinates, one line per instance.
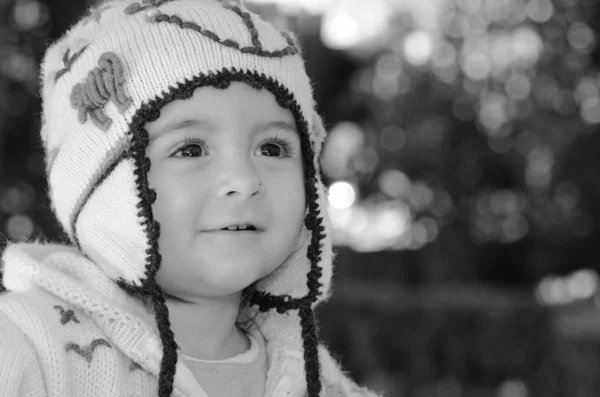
(235, 283)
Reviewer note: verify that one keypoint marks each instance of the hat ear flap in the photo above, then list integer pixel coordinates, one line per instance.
(318, 136)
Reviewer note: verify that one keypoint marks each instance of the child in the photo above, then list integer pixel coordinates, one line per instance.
(198, 117)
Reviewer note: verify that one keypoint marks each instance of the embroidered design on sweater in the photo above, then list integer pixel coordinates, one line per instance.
(87, 352)
(68, 61)
(134, 8)
(135, 367)
(66, 315)
(103, 83)
(95, 14)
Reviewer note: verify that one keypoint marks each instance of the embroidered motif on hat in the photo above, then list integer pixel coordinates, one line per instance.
(134, 8)
(256, 48)
(95, 14)
(87, 352)
(103, 83)
(68, 61)
(66, 315)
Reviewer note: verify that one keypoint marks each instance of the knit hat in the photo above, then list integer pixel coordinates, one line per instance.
(111, 73)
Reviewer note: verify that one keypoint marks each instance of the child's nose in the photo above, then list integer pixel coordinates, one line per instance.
(241, 189)
(241, 182)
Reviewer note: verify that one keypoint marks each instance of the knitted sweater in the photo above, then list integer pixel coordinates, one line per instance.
(66, 330)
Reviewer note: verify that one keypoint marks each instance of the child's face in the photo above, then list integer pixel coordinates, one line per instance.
(223, 158)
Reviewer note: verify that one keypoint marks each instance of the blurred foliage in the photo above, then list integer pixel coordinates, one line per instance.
(476, 124)
(460, 341)
(486, 125)
(26, 28)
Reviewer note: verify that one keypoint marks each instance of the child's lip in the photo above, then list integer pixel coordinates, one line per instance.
(233, 233)
(223, 227)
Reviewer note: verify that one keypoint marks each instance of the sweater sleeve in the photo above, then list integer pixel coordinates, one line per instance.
(20, 369)
(336, 383)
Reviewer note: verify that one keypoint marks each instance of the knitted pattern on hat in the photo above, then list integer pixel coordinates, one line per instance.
(109, 75)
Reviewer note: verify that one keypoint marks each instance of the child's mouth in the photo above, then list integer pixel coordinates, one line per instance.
(248, 234)
(240, 228)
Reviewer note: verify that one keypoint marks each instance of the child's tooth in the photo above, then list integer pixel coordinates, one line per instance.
(240, 227)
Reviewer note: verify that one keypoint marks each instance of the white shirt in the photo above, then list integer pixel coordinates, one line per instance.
(244, 375)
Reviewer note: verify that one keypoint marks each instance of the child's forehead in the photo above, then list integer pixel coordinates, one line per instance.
(208, 125)
(211, 108)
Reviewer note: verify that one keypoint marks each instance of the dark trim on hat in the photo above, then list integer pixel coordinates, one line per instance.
(148, 288)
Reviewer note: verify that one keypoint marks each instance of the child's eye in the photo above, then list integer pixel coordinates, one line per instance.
(191, 148)
(271, 150)
(275, 147)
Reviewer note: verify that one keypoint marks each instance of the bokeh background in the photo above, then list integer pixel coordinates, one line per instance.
(462, 162)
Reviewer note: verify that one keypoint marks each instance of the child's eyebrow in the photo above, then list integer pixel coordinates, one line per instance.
(180, 125)
(191, 123)
(277, 125)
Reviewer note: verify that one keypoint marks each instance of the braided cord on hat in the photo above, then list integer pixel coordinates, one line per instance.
(149, 288)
